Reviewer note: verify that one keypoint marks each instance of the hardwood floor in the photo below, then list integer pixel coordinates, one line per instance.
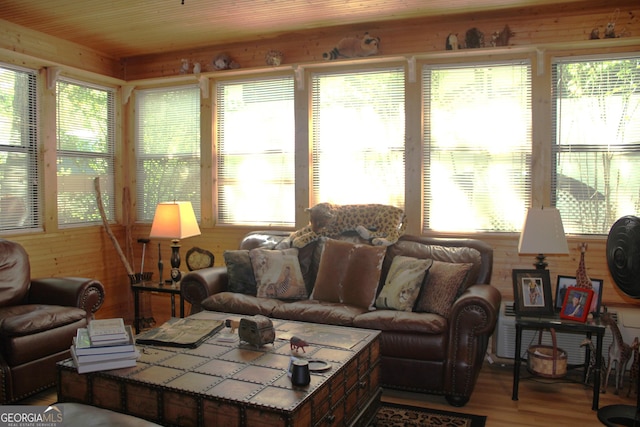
(542, 402)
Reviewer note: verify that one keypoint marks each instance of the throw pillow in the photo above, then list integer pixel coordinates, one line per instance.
(402, 286)
(240, 272)
(278, 273)
(349, 273)
(441, 286)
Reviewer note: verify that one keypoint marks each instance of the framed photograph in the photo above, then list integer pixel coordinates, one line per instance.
(576, 304)
(565, 282)
(532, 292)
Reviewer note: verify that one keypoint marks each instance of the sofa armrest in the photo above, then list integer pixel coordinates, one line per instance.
(87, 294)
(197, 285)
(472, 321)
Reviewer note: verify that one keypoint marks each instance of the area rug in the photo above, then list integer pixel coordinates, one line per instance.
(394, 415)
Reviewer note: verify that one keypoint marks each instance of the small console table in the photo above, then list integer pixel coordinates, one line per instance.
(168, 288)
(592, 326)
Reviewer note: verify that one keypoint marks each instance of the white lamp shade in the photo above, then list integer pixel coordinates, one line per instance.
(174, 220)
(543, 233)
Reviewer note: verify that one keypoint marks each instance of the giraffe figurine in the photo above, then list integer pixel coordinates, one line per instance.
(592, 359)
(619, 353)
(635, 366)
(582, 278)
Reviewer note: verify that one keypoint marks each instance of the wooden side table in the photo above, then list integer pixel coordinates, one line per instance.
(593, 326)
(171, 289)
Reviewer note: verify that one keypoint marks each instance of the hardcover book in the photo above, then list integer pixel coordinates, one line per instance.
(107, 329)
(84, 346)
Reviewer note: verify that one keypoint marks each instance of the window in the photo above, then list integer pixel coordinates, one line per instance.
(256, 151)
(19, 201)
(477, 146)
(358, 137)
(597, 142)
(85, 148)
(167, 148)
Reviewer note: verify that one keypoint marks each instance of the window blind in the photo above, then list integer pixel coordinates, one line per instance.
(167, 148)
(256, 151)
(19, 193)
(477, 146)
(85, 149)
(358, 137)
(596, 121)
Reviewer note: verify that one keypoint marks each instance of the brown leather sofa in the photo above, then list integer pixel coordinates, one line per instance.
(38, 320)
(420, 352)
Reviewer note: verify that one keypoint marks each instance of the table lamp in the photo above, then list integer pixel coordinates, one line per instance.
(175, 221)
(543, 233)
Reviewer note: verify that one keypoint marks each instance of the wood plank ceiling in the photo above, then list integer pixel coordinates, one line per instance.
(127, 28)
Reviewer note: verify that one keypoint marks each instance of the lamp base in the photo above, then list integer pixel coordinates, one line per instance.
(541, 264)
(176, 275)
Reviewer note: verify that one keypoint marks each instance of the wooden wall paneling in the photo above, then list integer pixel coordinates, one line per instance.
(532, 26)
(55, 51)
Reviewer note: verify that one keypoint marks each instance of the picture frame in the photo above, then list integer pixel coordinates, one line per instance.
(576, 304)
(532, 292)
(564, 282)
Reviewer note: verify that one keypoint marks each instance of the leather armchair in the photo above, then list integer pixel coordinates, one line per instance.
(38, 320)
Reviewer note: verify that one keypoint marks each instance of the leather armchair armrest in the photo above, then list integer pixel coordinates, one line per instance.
(87, 294)
(484, 301)
(472, 321)
(197, 285)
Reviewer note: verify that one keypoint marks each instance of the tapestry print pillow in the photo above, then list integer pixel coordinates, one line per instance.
(240, 272)
(402, 285)
(441, 286)
(278, 273)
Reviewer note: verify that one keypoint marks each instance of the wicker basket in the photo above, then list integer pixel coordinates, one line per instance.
(547, 361)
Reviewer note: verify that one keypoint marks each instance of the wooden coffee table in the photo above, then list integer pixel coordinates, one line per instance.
(232, 383)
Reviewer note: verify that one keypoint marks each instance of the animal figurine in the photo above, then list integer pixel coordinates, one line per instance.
(380, 224)
(452, 42)
(273, 58)
(233, 324)
(298, 343)
(592, 359)
(353, 47)
(619, 353)
(635, 366)
(582, 278)
(610, 29)
(501, 38)
(474, 38)
(224, 62)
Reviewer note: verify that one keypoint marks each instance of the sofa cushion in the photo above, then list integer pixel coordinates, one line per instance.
(29, 332)
(278, 273)
(442, 283)
(29, 319)
(240, 272)
(394, 320)
(403, 282)
(229, 302)
(318, 312)
(452, 254)
(349, 273)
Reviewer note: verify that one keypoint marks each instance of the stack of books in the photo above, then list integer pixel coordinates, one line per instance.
(104, 344)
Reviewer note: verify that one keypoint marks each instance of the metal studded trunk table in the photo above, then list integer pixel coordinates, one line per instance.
(225, 382)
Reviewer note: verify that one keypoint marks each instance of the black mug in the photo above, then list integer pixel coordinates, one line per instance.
(300, 375)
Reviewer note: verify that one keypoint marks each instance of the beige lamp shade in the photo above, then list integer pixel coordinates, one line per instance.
(543, 233)
(174, 220)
